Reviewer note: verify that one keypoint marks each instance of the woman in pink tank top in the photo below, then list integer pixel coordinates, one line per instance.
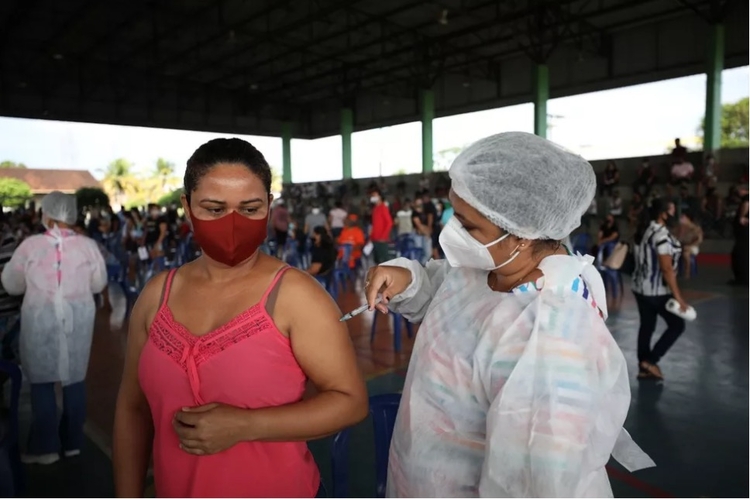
(220, 350)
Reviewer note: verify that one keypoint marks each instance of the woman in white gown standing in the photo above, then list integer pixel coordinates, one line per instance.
(515, 386)
(58, 273)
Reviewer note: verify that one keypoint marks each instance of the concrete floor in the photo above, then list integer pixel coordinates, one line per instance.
(694, 425)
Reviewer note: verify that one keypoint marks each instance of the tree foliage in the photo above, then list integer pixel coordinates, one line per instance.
(14, 192)
(734, 124)
(171, 198)
(91, 196)
(11, 164)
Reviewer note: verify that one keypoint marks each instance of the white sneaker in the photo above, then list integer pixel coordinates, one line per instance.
(40, 458)
(73, 453)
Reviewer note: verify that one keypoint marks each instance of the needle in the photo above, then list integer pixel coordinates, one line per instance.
(359, 310)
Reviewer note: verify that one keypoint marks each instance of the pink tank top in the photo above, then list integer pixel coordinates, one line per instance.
(245, 363)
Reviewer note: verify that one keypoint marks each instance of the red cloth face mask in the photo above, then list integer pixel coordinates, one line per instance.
(231, 239)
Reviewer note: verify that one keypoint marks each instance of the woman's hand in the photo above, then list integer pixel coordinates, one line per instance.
(209, 429)
(683, 304)
(386, 281)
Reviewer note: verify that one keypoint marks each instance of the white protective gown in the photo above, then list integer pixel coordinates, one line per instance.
(57, 318)
(519, 394)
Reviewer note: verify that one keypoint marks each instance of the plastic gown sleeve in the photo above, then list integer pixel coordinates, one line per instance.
(558, 398)
(425, 281)
(14, 272)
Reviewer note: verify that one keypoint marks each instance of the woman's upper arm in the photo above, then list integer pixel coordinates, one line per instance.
(320, 343)
(140, 320)
(14, 272)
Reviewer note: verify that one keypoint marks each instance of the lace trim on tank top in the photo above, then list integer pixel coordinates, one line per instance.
(175, 340)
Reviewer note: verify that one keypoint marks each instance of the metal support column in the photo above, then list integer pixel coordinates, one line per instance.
(712, 125)
(286, 153)
(347, 125)
(427, 98)
(540, 80)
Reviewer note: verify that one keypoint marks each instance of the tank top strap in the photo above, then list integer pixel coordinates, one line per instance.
(273, 284)
(167, 287)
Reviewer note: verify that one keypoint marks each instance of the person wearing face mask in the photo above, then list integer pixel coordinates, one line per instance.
(220, 350)
(657, 256)
(515, 387)
(382, 223)
(156, 231)
(58, 273)
(316, 218)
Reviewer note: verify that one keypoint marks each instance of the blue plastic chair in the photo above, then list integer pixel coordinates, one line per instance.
(398, 319)
(342, 273)
(383, 409)
(693, 265)
(611, 277)
(12, 479)
(329, 284)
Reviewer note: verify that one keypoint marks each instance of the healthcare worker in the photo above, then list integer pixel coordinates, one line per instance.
(515, 386)
(58, 273)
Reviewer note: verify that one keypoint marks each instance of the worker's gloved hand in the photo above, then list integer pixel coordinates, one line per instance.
(386, 281)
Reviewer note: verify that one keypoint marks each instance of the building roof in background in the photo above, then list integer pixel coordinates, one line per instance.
(44, 181)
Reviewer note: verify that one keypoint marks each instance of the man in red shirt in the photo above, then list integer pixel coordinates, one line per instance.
(382, 223)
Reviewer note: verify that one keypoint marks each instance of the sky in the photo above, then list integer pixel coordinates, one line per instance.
(633, 121)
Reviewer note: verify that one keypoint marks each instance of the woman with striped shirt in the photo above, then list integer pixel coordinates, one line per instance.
(657, 256)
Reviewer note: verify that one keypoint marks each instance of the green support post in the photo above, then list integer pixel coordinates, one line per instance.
(347, 126)
(712, 128)
(286, 153)
(427, 98)
(541, 95)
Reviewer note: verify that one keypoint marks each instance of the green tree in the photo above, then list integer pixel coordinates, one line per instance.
(171, 198)
(119, 180)
(14, 192)
(164, 172)
(11, 164)
(91, 196)
(734, 124)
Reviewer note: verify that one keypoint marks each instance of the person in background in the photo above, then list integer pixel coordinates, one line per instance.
(322, 254)
(681, 174)
(690, 236)
(58, 273)
(679, 152)
(635, 211)
(610, 179)
(422, 229)
(709, 175)
(608, 232)
(432, 223)
(315, 219)
(280, 223)
(657, 255)
(156, 231)
(645, 178)
(220, 351)
(354, 235)
(516, 387)
(615, 204)
(10, 306)
(741, 248)
(336, 219)
(382, 223)
(404, 223)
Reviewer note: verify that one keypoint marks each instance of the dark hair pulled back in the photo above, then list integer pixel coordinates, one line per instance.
(233, 151)
(657, 208)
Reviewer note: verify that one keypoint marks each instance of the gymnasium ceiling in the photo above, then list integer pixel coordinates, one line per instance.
(248, 67)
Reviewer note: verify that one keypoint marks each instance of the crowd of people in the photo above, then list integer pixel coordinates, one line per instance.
(222, 342)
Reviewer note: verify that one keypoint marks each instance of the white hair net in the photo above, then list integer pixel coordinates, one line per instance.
(525, 184)
(60, 207)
